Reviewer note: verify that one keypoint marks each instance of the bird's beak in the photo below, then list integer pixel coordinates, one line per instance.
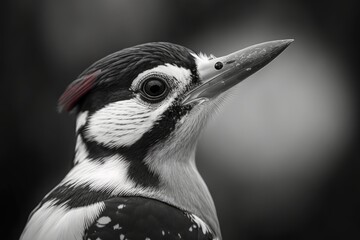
(220, 74)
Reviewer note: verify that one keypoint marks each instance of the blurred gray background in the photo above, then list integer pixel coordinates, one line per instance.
(280, 158)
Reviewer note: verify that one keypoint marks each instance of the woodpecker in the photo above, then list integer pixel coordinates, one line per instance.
(139, 114)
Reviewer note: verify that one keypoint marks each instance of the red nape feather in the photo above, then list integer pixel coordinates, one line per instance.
(76, 90)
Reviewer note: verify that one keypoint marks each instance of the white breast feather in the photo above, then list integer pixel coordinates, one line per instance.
(110, 175)
(59, 223)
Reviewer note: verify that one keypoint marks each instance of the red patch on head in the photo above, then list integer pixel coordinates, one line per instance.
(76, 90)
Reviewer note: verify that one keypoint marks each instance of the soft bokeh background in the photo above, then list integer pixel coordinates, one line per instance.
(280, 158)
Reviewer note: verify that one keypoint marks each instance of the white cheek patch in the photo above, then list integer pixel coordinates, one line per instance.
(122, 123)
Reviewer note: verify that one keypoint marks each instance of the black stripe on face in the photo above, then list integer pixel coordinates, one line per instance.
(104, 95)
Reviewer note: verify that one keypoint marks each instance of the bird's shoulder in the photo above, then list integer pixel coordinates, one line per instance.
(135, 218)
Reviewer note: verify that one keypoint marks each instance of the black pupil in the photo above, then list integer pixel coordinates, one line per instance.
(154, 87)
(218, 65)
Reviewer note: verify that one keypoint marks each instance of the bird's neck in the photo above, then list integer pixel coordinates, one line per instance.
(183, 185)
(179, 182)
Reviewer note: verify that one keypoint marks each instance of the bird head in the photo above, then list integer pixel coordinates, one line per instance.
(157, 95)
(148, 104)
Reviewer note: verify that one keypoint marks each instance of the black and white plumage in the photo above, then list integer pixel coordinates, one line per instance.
(145, 218)
(139, 114)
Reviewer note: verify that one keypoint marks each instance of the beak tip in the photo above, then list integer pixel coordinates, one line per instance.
(290, 40)
(287, 42)
(277, 46)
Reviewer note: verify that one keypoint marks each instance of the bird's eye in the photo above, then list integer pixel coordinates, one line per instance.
(154, 89)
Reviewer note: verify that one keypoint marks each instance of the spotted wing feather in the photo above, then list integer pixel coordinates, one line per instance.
(136, 218)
